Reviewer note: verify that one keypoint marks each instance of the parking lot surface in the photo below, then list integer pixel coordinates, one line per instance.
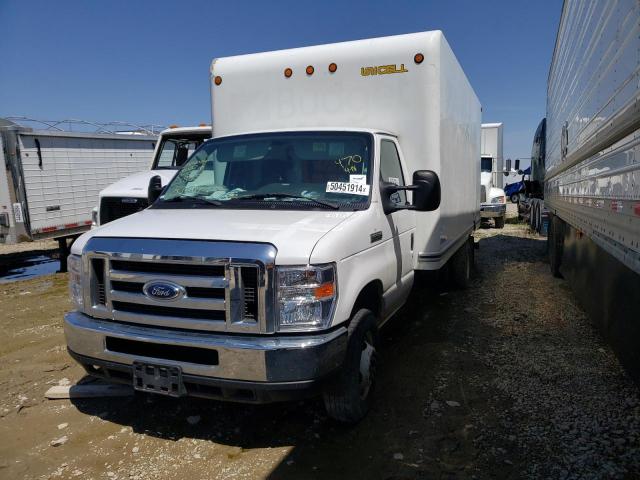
(506, 379)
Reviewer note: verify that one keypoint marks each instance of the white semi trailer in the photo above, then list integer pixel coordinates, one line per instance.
(265, 268)
(493, 201)
(50, 178)
(586, 166)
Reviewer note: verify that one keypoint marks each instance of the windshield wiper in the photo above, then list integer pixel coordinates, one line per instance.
(263, 196)
(182, 198)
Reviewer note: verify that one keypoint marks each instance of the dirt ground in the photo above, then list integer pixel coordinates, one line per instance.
(504, 380)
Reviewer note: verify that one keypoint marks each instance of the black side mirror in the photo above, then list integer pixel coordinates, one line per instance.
(425, 188)
(155, 188)
(426, 194)
(517, 167)
(508, 166)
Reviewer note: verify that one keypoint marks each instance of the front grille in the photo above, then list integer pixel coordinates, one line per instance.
(168, 268)
(163, 311)
(213, 298)
(98, 274)
(206, 288)
(113, 208)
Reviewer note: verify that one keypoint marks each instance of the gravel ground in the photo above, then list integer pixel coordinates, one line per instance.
(504, 380)
(40, 245)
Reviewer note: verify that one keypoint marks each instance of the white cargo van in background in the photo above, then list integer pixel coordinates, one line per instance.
(492, 197)
(129, 195)
(263, 271)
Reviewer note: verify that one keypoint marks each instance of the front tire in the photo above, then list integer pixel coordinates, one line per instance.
(499, 222)
(348, 396)
(515, 197)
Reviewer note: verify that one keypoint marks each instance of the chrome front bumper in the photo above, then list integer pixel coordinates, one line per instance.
(263, 359)
(492, 210)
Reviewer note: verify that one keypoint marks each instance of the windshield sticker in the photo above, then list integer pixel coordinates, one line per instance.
(348, 187)
(359, 179)
(239, 151)
(319, 147)
(349, 163)
(336, 149)
(394, 180)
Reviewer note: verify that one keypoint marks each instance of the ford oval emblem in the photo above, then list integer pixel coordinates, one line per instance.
(158, 290)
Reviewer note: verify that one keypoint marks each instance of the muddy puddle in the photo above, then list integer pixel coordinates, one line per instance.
(27, 268)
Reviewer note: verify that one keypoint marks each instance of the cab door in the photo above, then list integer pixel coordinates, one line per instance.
(399, 227)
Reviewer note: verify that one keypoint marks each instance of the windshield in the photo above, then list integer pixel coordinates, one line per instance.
(289, 170)
(486, 164)
(174, 152)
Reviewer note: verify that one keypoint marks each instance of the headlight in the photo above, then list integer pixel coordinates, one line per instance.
(500, 199)
(74, 266)
(306, 297)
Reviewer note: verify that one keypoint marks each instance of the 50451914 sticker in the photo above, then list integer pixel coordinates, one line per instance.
(347, 187)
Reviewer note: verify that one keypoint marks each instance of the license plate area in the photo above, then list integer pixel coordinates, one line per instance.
(161, 379)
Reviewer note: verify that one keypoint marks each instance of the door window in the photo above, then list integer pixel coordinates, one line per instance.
(391, 170)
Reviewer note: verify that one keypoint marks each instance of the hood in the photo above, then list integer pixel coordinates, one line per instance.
(136, 185)
(293, 233)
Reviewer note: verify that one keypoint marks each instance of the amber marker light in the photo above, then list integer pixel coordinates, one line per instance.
(288, 72)
(217, 80)
(310, 70)
(333, 67)
(418, 58)
(324, 291)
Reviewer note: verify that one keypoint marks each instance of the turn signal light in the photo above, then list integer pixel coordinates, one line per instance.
(418, 58)
(324, 291)
(333, 67)
(288, 72)
(310, 70)
(217, 80)
(173, 126)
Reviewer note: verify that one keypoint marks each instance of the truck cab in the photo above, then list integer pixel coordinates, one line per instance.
(129, 195)
(493, 201)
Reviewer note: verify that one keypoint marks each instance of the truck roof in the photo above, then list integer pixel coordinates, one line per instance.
(203, 129)
(314, 129)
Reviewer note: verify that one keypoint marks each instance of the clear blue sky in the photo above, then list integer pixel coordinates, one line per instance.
(148, 62)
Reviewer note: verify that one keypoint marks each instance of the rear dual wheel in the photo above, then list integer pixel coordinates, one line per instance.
(461, 265)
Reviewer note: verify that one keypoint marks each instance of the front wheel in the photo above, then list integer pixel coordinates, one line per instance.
(499, 222)
(347, 396)
(515, 197)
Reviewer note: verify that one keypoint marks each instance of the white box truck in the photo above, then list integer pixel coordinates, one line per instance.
(50, 178)
(129, 195)
(586, 167)
(493, 200)
(264, 270)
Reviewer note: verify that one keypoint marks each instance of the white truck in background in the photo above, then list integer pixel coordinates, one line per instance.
(265, 268)
(493, 200)
(50, 178)
(129, 195)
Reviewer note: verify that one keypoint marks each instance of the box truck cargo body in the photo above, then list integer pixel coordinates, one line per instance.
(49, 180)
(592, 165)
(264, 269)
